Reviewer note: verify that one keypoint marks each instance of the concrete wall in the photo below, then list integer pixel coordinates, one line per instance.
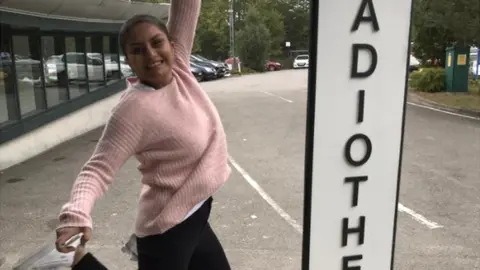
(57, 132)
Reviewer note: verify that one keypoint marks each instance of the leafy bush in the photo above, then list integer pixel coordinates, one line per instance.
(235, 72)
(474, 87)
(247, 70)
(428, 80)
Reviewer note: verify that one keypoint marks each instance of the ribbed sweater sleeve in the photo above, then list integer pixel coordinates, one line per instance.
(120, 140)
(182, 25)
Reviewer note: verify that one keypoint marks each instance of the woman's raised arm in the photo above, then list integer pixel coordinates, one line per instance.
(182, 25)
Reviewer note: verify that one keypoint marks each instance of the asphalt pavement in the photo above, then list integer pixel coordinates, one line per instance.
(264, 117)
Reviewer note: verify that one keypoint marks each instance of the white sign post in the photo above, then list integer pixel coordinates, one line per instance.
(356, 112)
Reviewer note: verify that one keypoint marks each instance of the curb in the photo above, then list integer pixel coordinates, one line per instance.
(418, 100)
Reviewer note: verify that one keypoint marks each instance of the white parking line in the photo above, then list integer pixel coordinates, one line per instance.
(277, 96)
(443, 111)
(430, 224)
(266, 197)
(418, 217)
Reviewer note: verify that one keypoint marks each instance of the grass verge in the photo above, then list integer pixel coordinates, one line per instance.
(468, 101)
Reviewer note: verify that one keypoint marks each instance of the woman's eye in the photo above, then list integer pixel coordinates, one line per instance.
(157, 43)
(136, 50)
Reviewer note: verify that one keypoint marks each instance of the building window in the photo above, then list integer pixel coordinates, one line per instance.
(76, 66)
(96, 74)
(112, 66)
(125, 70)
(28, 68)
(56, 79)
(47, 72)
(8, 101)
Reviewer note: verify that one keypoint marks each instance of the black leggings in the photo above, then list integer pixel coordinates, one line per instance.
(89, 262)
(191, 245)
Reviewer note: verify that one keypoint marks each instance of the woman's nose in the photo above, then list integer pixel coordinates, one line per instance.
(150, 52)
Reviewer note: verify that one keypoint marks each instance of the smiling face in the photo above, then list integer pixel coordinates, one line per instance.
(149, 53)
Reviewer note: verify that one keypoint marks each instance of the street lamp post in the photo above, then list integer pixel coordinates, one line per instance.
(231, 13)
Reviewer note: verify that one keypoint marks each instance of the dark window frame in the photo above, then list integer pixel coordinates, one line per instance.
(13, 103)
(36, 27)
(97, 37)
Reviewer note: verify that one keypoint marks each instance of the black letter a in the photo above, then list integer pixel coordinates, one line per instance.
(360, 18)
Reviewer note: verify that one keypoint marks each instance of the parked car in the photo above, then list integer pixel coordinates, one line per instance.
(111, 65)
(474, 67)
(76, 68)
(26, 67)
(220, 67)
(414, 64)
(301, 61)
(272, 65)
(202, 72)
(197, 72)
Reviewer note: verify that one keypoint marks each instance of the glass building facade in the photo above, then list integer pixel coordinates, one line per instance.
(52, 67)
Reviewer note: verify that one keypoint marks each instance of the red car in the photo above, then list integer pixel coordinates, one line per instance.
(272, 65)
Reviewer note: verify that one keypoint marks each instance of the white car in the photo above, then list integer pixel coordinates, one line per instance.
(474, 67)
(301, 61)
(414, 64)
(55, 65)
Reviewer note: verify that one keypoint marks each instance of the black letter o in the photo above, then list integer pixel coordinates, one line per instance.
(348, 146)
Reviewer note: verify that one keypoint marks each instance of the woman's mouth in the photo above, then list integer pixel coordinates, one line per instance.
(155, 64)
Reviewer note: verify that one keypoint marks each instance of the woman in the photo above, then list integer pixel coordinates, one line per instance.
(168, 122)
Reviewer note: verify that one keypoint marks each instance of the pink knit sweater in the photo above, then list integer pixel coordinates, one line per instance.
(175, 133)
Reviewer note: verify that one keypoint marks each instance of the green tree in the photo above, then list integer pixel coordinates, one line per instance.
(296, 21)
(254, 40)
(460, 17)
(274, 21)
(438, 24)
(212, 39)
(285, 20)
